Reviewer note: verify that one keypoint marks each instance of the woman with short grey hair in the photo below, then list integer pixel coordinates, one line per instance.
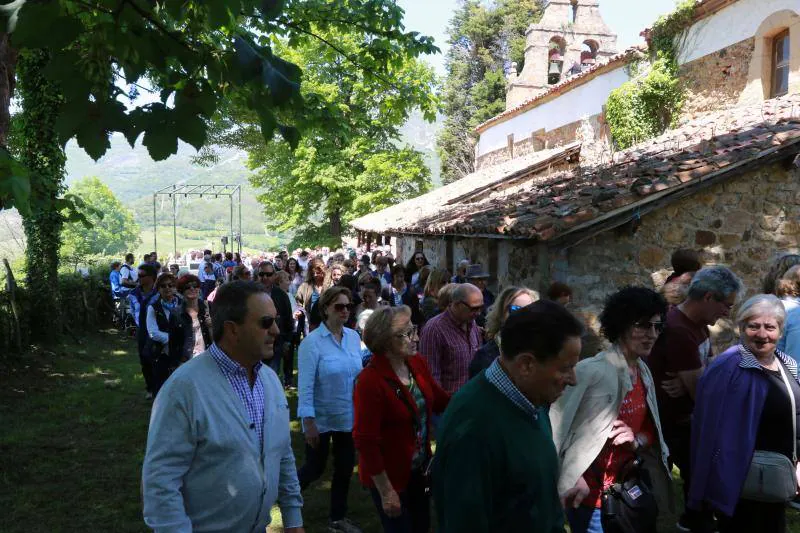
(395, 398)
(747, 402)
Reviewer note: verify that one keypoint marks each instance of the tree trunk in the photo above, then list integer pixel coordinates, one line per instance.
(336, 224)
(8, 65)
(43, 155)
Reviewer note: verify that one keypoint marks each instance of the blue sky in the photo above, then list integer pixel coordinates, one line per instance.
(626, 17)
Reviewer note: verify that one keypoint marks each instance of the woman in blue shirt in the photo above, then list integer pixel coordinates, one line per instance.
(329, 361)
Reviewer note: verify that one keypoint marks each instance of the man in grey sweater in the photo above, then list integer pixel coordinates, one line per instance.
(218, 449)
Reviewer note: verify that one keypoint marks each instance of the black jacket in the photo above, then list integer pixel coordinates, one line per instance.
(284, 308)
(181, 338)
(484, 357)
(410, 299)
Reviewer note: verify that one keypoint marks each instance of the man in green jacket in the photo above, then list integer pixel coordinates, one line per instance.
(496, 468)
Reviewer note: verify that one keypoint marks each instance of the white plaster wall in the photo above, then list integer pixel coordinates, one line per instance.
(735, 23)
(583, 101)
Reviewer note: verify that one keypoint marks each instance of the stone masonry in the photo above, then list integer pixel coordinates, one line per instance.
(717, 80)
(743, 223)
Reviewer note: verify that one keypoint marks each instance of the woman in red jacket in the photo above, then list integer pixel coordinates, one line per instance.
(395, 397)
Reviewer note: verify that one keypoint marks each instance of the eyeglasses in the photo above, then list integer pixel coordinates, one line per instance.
(266, 322)
(191, 286)
(474, 309)
(419, 259)
(512, 308)
(167, 286)
(266, 274)
(409, 334)
(341, 307)
(646, 325)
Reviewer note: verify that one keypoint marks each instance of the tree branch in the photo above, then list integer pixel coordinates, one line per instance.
(343, 54)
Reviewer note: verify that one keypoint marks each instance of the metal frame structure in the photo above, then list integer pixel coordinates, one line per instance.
(173, 191)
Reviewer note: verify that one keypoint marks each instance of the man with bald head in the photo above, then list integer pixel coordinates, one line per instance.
(219, 453)
(450, 339)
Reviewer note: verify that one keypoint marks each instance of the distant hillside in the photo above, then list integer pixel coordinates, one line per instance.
(133, 177)
(131, 173)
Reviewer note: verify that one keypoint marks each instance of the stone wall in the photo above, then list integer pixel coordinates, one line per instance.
(717, 81)
(541, 140)
(743, 223)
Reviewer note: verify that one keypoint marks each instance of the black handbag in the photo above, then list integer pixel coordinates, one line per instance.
(629, 505)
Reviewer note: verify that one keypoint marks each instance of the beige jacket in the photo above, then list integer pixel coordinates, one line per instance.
(583, 416)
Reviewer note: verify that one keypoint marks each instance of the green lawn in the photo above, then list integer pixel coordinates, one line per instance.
(74, 426)
(74, 423)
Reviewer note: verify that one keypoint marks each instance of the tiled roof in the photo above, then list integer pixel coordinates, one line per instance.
(566, 85)
(407, 213)
(548, 206)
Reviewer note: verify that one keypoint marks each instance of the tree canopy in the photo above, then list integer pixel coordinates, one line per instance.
(195, 55)
(113, 230)
(350, 161)
(484, 40)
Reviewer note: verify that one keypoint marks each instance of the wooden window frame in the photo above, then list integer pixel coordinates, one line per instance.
(775, 65)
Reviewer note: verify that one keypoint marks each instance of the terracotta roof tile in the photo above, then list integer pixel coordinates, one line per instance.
(550, 203)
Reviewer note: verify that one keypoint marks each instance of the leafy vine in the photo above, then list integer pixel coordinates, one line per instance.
(647, 105)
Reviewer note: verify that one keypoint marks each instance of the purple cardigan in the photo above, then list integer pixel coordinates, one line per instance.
(730, 399)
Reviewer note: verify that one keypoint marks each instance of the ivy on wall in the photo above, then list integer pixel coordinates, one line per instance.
(647, 105)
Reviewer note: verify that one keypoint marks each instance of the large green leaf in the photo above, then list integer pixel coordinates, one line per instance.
(15, 184)
(291, 135)
(272, 8)
(192, 130)
(161, 143)
(41, 25)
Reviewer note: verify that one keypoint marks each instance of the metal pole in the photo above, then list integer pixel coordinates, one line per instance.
(240, 219)
(155, 226)
(231, 240)
(174, 228)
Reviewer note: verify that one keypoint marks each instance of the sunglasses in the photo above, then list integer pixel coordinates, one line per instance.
(475, 309)
(512, 308)
(266, 322)
(646, 325)
(167, 286)
(266, 274)
(341, 307)
(191, 286)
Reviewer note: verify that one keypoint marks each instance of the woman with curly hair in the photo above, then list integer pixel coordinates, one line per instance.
(510, 300)
(611, 415)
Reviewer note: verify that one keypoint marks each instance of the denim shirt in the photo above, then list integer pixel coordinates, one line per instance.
(327, 372)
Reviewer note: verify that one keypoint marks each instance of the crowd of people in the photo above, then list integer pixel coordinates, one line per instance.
(530, 432)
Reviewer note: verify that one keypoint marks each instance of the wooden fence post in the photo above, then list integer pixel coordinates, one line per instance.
(11, 288)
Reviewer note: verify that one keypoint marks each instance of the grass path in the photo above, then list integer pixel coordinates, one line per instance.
(74, 425)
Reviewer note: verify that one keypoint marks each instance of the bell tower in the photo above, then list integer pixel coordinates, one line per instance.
(570, 38)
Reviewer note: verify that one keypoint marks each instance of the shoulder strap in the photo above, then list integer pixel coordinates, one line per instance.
(401, 395)
(794, 410)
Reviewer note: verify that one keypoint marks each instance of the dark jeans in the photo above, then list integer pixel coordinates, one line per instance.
(288, 363)
(163, 367)
(344, 460)
(147, 363)
(679, 439)
(415, 511)
(283, 353)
